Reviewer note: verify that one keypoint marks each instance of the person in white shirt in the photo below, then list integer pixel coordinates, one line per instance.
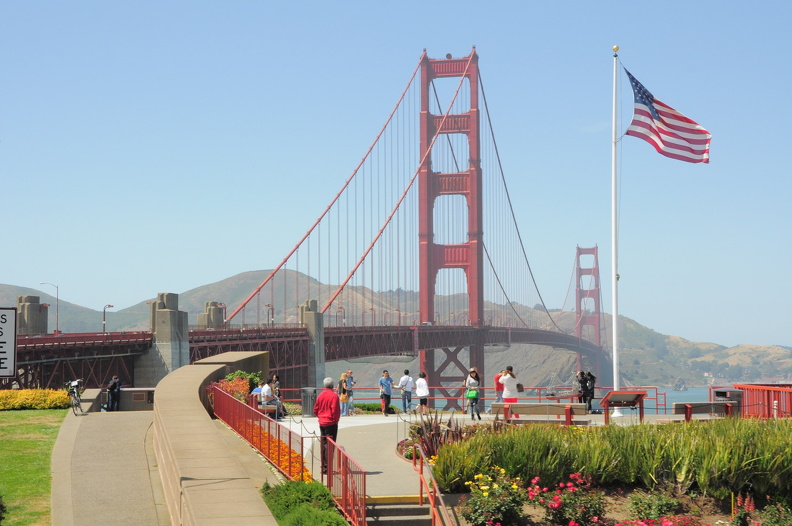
(509, 382)
(406, 384)
(422, 392)
(269, 398)
(473, 393)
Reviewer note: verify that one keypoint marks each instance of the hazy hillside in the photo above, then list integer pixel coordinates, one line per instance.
(646, 357)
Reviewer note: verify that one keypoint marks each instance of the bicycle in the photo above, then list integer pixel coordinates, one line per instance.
(74, 395)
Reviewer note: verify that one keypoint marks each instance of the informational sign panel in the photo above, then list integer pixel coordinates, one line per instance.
(8, 341)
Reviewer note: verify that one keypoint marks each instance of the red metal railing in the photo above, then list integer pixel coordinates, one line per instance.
(765, 401)
(346, 481)
(284, 448)
(428, 486)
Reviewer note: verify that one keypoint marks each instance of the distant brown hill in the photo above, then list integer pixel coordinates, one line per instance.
(646, 357)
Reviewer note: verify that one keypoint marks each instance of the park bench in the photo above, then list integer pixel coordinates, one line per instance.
(512, 412)
(688, 409)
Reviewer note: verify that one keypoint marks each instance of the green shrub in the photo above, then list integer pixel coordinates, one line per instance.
(776, 514)
(573, 502)
(252, 378)
(494, 498)
(651, 506)
(17, 399)
(306, 514)
(2, 510)
(284, 499)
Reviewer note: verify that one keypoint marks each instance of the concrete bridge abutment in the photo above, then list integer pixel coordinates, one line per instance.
(171, 346)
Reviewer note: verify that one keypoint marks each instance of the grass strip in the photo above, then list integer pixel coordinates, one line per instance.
(26, 441)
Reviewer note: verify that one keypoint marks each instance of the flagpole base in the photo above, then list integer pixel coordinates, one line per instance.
(616, 413)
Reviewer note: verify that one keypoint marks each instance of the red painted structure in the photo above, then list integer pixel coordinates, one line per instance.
(49, 361)
(586, 318)
(468, 256)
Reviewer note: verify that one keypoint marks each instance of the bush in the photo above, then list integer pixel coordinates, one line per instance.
(570, 503)
(252, 378)
(16, 399)
(494, 498)
(305, 500)
(306, 514)
(2, 510)
(773, 514)
(646, 506)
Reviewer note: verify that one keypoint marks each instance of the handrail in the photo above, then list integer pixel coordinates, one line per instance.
(439, 512)
(345, 479)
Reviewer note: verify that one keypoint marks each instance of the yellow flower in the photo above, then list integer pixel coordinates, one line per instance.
(484, 488)
(478, 476)
(514, 486)
(494, 486)
(485, 494)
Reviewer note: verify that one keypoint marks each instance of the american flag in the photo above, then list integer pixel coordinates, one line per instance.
(671, 133)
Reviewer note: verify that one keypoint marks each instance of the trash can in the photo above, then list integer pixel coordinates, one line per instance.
(730, 395)
(308, 399)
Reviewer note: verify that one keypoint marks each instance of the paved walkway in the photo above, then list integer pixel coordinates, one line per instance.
(104, 470)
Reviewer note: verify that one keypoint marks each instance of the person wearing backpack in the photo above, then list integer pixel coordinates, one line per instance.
(113, 394)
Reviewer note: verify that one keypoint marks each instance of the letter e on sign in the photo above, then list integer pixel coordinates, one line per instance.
(8, 341)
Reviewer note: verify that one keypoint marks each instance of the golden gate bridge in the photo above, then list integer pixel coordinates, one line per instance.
(419, 252)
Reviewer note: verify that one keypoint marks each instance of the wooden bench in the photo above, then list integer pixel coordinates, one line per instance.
(701, 408)
(512, 412)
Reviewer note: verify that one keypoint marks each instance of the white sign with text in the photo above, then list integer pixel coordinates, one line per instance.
(8, 341)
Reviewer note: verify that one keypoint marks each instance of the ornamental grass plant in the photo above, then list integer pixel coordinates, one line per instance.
(716, 458)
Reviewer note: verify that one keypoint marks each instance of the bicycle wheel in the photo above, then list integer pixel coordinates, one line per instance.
(76, 405)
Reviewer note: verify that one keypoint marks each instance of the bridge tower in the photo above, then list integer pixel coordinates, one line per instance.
(586, 317)
(468, 256)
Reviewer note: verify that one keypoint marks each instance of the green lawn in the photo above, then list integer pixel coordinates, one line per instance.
(26, 441)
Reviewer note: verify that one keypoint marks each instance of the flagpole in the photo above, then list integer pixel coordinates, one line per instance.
(614, 239)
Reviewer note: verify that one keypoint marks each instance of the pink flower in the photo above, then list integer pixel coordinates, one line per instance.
(570, 485)
(534, 480)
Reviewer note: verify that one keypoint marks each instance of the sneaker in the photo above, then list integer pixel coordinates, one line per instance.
(478, 415)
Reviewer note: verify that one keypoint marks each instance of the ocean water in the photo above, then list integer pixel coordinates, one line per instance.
(693, 394)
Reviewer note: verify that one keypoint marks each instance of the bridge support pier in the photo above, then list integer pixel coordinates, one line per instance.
(313, 320)
(31, 315)
(171, 347)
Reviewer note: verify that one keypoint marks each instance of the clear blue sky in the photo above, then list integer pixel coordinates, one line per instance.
(153, 147)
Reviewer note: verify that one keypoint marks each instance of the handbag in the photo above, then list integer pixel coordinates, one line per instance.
(520, 388)
(344, 398)
(472, 393)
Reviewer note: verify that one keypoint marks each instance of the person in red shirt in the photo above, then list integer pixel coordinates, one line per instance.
(327, 409)
(498, 390)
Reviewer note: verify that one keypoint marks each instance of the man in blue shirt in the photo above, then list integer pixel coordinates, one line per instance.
(385, 384)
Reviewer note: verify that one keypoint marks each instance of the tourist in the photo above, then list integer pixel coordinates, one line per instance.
(422, 392)
(269, 398)
(591, 383)
(385, 384)
(276, 385)
(509, 382)
(581, 379)
(327, 409)
(498, 390)
(350, 383)
(472, 393)
(257, 392)
(343, 395)
(113, 394)
(406, 384)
